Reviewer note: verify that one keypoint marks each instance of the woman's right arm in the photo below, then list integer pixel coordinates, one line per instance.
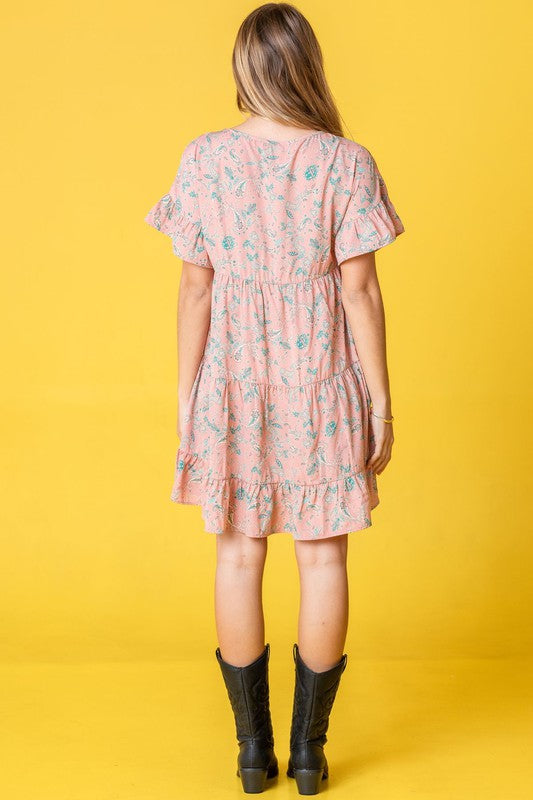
(363, 305)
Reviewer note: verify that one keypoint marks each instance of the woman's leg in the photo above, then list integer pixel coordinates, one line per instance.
(239, 597)
(323, 617)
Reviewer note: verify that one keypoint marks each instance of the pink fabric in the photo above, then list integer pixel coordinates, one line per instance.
(278, 425)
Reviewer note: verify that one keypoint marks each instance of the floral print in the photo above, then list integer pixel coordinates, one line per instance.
(278, 426)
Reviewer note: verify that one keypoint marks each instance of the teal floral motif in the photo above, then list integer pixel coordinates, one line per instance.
(349, 484)
(331, 427)
(279, 429)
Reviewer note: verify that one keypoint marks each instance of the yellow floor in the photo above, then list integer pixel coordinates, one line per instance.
(156, 731)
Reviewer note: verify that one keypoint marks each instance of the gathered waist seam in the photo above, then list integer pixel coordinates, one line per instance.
(221, 274)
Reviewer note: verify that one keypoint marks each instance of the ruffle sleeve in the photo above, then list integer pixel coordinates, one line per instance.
(370, 220)
(178, 213)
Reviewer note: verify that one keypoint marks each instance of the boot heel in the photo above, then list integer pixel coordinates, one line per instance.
(253, 780)
(308, 780)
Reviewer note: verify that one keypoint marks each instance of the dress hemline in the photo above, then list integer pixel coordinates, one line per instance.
(329, 535)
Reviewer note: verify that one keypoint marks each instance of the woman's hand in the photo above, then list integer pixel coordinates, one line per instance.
(383, 437)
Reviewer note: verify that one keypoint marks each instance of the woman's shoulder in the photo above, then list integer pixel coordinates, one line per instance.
(345, 156)
(214, 138)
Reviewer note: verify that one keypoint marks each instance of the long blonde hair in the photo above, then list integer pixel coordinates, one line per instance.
(279, 70)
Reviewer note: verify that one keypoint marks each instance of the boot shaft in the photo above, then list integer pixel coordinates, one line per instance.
(314, 695)
(248, 692)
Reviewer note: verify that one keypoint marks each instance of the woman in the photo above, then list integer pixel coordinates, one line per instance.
(284, 403)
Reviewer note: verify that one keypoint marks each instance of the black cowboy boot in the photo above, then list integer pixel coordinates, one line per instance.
(314, 694)
(248, 692)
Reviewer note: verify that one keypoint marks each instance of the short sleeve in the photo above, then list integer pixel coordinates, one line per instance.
(177, 213)
(370, 220)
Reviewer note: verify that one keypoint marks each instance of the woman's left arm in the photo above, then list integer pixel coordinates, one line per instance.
(194, 316)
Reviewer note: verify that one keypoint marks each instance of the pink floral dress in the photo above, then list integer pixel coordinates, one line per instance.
(278, 425)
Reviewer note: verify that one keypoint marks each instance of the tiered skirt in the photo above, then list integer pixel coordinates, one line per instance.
(278, 425)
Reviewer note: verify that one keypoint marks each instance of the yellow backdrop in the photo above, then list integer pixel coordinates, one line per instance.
(100, 99)
(108, 680)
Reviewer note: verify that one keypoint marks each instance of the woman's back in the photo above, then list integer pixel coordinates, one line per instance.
(277, 425)
(263, 209)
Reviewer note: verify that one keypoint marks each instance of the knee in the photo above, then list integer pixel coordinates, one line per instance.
(241, 551)
(322, 552)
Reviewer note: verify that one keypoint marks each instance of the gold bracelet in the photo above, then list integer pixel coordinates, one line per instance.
(383, 418)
